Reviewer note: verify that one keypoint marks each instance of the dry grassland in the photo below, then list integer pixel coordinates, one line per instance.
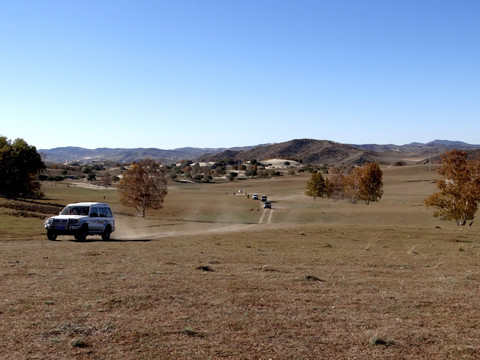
(202, 279)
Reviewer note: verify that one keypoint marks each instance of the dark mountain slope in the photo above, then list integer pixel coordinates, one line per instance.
(307, 150)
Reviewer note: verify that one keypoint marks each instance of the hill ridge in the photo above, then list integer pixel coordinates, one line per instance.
(307, 150)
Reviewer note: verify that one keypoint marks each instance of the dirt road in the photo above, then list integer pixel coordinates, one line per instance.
(266, 217)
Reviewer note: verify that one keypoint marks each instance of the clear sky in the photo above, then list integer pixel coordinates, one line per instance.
(225, 73)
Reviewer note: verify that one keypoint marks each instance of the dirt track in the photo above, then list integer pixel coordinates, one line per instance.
(266, 216)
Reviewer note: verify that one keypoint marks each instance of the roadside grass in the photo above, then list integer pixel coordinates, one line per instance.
(201, 279)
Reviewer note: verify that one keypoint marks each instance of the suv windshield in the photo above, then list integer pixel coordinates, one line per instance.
(75, 210)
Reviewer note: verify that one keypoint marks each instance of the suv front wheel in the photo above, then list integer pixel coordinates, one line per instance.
(82, 233)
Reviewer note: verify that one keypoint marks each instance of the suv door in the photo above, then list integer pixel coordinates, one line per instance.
(95, 223)
(105, 216)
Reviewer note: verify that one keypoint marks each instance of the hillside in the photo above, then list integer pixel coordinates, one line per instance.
(308, 151)
(419, 148)
(68, 154)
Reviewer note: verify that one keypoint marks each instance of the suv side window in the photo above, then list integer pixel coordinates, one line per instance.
(105, 212)
(93, 212)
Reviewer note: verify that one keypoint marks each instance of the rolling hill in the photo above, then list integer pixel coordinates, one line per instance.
(69, 154)
(305, 150)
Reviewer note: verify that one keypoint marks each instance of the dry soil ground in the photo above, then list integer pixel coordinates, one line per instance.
(214, 276)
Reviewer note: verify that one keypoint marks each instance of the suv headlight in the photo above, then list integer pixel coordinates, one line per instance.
(48, 221)
(74, 221)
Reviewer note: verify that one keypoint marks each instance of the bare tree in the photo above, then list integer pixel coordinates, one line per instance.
(107, 179)
(143, 186)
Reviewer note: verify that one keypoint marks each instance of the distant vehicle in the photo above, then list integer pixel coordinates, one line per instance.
(264, 198)
(267, 205)
(255, 197)
(81, 220)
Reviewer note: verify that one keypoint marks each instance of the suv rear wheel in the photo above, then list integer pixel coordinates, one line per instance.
(106, 233)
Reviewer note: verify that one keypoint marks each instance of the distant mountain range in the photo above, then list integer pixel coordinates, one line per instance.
(73, 154)
(306, 150)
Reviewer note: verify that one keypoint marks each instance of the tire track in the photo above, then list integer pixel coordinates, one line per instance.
(268, 217)
(260, 221)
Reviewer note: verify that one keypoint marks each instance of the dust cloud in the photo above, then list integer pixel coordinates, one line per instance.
(199, 219)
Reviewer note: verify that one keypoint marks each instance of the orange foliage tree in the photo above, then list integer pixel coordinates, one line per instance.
(316, 186)
(351, 185)
(459, 188)
(335, 186)
(143, 186)
(371, 184)
(363, 183)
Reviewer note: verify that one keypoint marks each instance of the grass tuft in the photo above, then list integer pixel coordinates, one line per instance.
(376, 341)
(313, 278)
(205, 268)
(190, 332)
(412, 251)
(79, 343)
(268, 268)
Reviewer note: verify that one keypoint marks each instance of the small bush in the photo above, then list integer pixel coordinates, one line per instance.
(79, 343)
(313, 278)
(189, 331)
(205, 268)
(376, 341)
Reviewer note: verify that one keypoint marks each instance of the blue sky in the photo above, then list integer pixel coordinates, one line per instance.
(225, 73)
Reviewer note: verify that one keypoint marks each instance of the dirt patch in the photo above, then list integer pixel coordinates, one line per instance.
(91, 186)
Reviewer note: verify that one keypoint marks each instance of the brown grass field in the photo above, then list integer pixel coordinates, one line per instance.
(214, 276)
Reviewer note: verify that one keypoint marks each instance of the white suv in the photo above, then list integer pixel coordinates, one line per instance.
(81, 220)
